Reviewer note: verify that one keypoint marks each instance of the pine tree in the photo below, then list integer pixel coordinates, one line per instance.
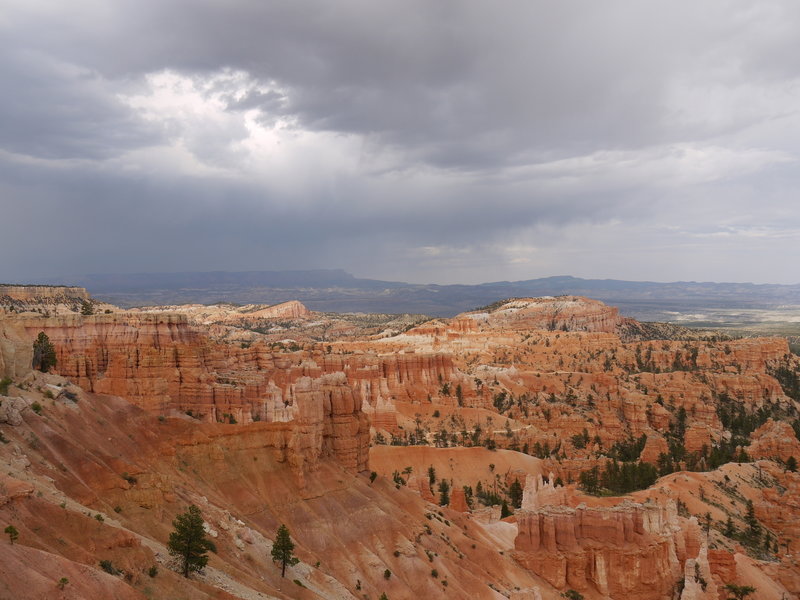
(504, 510)
(753, 526)
(730, 529)
(515, 493)
(188, 542)
(283, 549)
(431, 475)
(444, 493)
(12, 532)
(44, 354)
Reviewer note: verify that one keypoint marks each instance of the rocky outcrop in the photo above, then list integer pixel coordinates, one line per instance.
(698, 581)
(285, 310)
(43, 294)
(626, 551)
(774, 439)
(160, 363)
(564, 313)
(698, 437)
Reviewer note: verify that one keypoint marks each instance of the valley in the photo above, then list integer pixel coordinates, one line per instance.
(534, 449)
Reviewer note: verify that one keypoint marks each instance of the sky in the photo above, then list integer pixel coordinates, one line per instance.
(423, 141)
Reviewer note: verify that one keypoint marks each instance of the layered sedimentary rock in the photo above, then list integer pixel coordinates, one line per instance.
(567, 313)
(627, 551)
(160, 363)
(774, 439)
(42, 294)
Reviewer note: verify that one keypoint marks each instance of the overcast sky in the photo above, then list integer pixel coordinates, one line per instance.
(417, 140)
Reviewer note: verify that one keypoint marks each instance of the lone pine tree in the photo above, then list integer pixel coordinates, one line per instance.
(283, 549)
(44, 354)
(188, 542)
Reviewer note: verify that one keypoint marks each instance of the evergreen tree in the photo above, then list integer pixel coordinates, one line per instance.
(12, 532)
(730, 529)
(753, 526)
(504, 510)
(515, 493)
(188, 542)
(283, 549)
(444, 493)
(44, 354)
(431, 475)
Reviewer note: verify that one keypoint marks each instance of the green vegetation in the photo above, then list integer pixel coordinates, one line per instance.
(630, 449)
(188, 542)
(283, 549)
(515, 493)
(789, 380)
(109, 568)
(12, 532)
(44, 353)
(4, 383)
(444, 492)
(618, 478)
(739, 592)
(37, 408)
(62, 583)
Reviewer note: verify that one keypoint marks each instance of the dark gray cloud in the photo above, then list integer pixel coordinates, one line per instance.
(446, 141)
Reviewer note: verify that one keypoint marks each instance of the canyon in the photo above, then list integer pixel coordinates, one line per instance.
(345, 430)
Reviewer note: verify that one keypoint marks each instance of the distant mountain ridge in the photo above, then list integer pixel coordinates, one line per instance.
(336, 290)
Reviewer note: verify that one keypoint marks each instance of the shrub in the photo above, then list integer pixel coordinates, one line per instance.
(62, 583)
(434, 573)
(4, 383)
(37, 408)
(152, 571)
(387, 574)
(108, 567)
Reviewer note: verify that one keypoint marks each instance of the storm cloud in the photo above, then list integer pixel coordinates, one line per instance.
(422, 141)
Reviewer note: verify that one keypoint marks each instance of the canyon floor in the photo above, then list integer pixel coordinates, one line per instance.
(534, 449)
